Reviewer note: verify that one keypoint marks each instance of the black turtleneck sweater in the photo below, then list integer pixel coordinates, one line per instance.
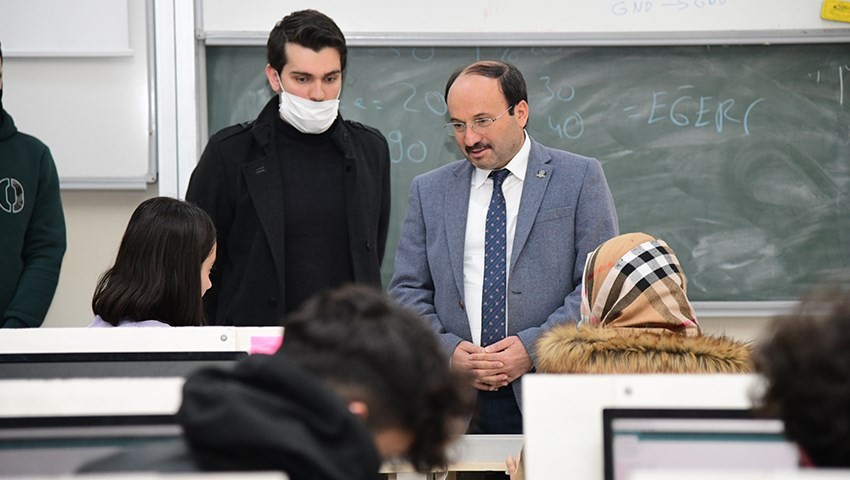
(318, 255)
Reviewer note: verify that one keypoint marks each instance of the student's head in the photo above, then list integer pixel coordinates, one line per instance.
(162, 267)
(805, 360)
(385, 362)
(488, 105)
(635, 281)
(307, 50)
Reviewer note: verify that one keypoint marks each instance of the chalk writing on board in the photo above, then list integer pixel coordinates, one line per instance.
(416, 151)
(625, 7)
(568, 124)
(841, 69)
(696, 110)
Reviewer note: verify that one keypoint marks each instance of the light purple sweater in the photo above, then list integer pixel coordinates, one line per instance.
(101, 323)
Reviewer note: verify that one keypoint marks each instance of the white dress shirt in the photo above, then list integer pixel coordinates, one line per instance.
(476, 224)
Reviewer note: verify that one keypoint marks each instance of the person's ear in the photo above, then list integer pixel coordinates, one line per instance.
(272, 76)
(359, 409)
(521, 112)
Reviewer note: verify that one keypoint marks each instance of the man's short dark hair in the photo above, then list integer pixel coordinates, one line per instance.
(367, 348)
(308, 28)
(511, 81)
(806, 363)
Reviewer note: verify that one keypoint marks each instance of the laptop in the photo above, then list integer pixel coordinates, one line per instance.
(722, 439)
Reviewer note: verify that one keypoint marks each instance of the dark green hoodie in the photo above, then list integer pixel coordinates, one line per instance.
(32, 227)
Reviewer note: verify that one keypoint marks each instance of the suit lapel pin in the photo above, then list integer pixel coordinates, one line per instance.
(541, 174)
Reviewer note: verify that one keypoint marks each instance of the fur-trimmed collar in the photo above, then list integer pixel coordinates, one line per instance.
(573, 349)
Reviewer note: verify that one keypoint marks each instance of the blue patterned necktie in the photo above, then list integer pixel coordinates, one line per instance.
(495, 240)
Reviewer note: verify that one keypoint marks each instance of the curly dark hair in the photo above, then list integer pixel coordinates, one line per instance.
(806, 364)
(367, 348)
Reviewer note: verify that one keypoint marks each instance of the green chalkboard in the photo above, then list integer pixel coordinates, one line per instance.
(737, 156)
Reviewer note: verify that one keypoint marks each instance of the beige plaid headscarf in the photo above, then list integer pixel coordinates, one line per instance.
(635, 281)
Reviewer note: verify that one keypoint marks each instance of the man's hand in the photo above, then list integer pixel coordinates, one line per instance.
(486, 372)
(511, 353)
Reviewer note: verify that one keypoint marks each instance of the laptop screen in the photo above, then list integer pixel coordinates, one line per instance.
(645, 439)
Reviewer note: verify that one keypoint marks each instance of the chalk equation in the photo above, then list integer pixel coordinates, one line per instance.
(627, 7)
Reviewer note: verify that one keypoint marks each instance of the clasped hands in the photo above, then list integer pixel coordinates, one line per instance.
(494, 366)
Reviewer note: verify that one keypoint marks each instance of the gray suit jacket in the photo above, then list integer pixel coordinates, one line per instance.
(564, 213)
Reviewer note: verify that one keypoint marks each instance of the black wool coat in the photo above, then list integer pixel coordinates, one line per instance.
(238, 182)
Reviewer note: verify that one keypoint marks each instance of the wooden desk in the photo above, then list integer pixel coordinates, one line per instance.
(470, 453)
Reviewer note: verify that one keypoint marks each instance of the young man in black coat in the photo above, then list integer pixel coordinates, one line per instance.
(300, 197)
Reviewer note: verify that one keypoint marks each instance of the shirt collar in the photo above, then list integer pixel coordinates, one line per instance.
(517, 166)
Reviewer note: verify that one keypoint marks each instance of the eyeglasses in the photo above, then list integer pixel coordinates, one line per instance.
(478, 125)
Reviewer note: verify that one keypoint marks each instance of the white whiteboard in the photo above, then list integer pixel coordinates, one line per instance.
(93, 112)
(531, 16)
(37, 28)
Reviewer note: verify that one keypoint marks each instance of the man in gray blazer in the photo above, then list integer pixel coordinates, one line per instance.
(555, 208)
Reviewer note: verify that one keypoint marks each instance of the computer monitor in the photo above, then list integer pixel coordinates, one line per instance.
(112, 364)
(562, 413)
(719, 439)
(61, 445)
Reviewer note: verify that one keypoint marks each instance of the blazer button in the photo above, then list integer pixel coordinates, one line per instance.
(368, 246)
(272, 301)
(461, 305)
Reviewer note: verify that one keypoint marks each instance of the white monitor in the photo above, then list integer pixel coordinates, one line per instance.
(111, 340)
(562, 414)
(90, 397)
(112, 364)
(166, 476)
(53, 427)
(62, 445)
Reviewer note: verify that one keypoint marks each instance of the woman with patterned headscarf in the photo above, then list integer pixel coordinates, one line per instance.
(636, 318)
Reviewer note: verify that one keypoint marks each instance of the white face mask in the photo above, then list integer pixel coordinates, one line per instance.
(306, 115)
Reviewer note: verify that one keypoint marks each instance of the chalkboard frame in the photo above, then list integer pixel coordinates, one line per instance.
(705, 309)
(548, 39)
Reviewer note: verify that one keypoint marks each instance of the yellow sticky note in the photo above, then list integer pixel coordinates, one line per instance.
(838, 10)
